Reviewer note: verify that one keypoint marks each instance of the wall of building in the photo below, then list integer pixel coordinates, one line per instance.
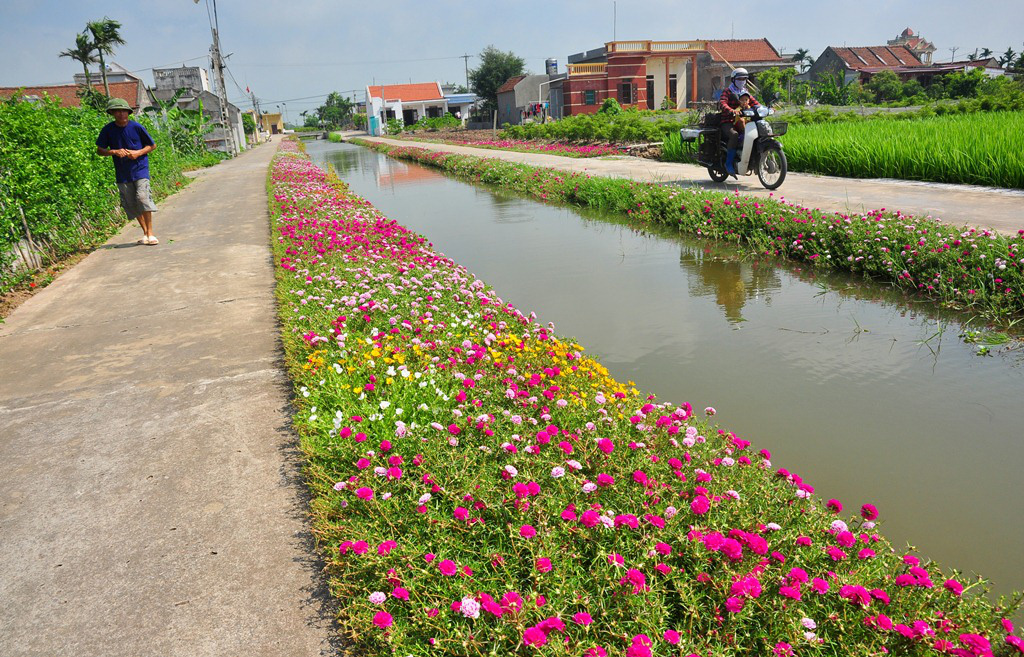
(188, 77)
(830, 62)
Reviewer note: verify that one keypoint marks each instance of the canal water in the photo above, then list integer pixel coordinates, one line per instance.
(869, 397)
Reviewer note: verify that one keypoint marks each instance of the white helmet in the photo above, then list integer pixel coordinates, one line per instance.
(739, 73)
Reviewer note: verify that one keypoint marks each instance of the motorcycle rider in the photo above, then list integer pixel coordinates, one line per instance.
(729, 104)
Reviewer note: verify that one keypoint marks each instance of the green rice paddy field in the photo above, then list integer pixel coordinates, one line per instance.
(975, 149)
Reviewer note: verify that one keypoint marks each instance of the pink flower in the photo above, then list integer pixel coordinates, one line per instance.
(364, 493)
(734, 605)
(448, 567)
(527, 531)
(636, 579)
(386, 547)
(382, 619)
(606, 446)
(819, 585)
(700, 505)
(582, 618)
(544, 565)
(835, 506)
(954, 587)
(511, 602)
(534, 636)
(869, 512)
(671, 636)
(400, 593)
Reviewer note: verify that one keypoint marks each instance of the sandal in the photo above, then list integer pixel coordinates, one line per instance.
(144, 240)
(152, 240)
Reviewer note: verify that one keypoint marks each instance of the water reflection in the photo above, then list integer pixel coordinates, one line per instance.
(731, 281)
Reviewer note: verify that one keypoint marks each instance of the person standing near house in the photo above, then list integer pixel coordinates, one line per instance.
(729, 104)
(128, 143)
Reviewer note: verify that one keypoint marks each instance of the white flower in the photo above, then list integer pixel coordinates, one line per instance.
(575, 465)
(378, 598)
(809, 623)
(671, 512)
(511, 470)
(557, 472)
(470, 608)
(424, 498)
(773, 526)
(838, 526)
(589, 487)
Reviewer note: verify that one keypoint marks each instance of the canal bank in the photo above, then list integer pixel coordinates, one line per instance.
(982, 207)
(868, 398)
(152, 500)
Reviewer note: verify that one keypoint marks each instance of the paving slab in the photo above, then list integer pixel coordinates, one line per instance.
(151, 501)
(984, 207)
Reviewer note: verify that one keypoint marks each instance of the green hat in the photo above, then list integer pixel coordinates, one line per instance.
(118, 104)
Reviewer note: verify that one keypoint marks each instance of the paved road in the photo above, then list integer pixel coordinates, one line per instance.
(997, 209)
(150, 496)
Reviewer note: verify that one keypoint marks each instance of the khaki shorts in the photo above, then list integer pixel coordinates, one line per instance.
(135, 197)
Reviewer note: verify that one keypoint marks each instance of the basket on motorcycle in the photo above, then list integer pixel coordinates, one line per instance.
(689, 134)
(779, 128)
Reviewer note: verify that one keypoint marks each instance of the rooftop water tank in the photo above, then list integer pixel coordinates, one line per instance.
(551, 66)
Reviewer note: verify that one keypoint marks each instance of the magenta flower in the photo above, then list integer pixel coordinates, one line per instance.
(527, 531)
(700, 505)
(954, 587)
(582, 618)
(386, 547)
(869, 512)
(448, 567)
(382, 619)
(364, 493)
(534, 636)
(671, 636)
(544, 565)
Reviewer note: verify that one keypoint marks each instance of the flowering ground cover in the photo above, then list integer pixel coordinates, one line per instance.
(483, 487)
(965, 268)
(565, 150)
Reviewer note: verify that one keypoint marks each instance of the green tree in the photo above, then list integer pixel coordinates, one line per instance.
(336, 111)
(496, 67)
(803, 57)
(249, 124)
(105, 35)
(1007, 57)
(833, 89)
(773, 81)
(885, 86)
(985, 53)
(84, 52)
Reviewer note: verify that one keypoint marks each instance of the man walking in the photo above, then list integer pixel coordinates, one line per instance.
(130, 145)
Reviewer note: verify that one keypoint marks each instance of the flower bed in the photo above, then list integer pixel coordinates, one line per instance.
(481, 486)
(565, 150)
(959, 267)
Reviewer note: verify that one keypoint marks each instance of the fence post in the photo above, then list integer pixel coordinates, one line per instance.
(31, 244)
(494, 126)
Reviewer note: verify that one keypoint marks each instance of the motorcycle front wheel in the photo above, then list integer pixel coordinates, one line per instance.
(717, 173)
(771, 167)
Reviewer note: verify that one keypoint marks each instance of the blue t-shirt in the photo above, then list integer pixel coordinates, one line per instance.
(133, 137)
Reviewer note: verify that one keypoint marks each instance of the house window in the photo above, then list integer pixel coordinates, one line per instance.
(673, 85)
(625, 94)
(650, 92)
(590, 97)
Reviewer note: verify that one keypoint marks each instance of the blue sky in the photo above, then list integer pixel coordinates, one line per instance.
(293, 51)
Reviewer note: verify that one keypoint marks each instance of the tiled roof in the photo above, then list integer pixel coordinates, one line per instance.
(407, 92)
(743, 50)
(875, 56)
(129, 91)
(510, 84)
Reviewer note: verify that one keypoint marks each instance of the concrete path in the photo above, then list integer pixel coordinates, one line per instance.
(998, 209)
(150, 493)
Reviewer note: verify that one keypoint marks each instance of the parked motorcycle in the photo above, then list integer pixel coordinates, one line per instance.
(759, 151)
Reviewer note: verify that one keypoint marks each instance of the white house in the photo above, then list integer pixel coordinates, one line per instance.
(408, 102)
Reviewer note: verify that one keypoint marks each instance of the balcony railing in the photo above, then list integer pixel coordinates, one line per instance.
(655, 46)
(587, 69)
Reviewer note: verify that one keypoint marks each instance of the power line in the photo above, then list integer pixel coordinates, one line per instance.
(389, 61)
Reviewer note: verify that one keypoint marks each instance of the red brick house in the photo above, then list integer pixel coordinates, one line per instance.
(133, 92)
(646, 74)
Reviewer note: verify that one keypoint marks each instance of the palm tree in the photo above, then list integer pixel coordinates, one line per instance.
(1007, 57)
(803, 56)
(82, 52)
(105, 36)
(985, 53)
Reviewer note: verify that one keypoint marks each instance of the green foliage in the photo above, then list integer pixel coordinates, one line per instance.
(627, 127)
(186, 128)
(359, 120)
(885, 86)
(963, 85)
(105, 35)
(611, 107)
(248, 124)
(433, 124)
(496, 67)
(335, 112)
(774, 81)
(49, 170)
(833, 89)
(395, 126)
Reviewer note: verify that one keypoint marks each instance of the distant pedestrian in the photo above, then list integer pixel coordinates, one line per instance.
(130, 145)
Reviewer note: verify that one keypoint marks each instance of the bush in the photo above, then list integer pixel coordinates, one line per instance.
(49, 171)
(610, 106)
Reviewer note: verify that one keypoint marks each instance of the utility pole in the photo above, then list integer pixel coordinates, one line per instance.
(222, 90)
(953, 51)
(466, 62)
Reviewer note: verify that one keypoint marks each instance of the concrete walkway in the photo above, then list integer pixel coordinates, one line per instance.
(150, 493)
(997, 209)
